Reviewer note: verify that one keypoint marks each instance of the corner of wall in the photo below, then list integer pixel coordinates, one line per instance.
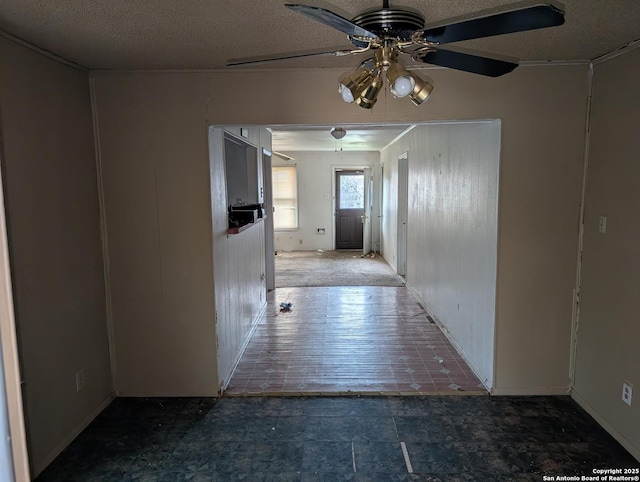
(103, 229)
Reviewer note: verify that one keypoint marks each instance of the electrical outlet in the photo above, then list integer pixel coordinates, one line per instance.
(79, 379)
(602, 225)
(627, 393)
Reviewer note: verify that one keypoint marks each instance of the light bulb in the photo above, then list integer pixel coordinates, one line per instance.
(402, 86)
(346, 94)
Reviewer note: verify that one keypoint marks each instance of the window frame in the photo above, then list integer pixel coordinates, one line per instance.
(295, 199)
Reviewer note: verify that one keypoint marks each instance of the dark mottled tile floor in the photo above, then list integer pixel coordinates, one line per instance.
(445, 438)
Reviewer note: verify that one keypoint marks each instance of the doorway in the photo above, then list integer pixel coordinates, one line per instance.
(267, 200)
(312, 327)
(403, 206)
(350, 187)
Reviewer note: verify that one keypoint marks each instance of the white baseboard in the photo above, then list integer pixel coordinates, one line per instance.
(227, 377)
(474, 368)
(39, 466)
(530, 391)
(622, 440)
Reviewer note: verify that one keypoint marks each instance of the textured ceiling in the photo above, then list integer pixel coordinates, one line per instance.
(203, 34)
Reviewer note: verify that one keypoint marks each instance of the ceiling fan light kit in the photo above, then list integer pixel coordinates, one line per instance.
(401, 82)
(353, 86)
(391, 32)
(369, 97)
(421, 91)
(338, 132)
(363, 86)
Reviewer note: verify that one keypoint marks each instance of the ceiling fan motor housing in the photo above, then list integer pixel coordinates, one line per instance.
(388, 22)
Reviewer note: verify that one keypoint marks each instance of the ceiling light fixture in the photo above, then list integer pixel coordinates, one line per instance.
(369, 96)
(362, 86)
(421, 90)
(338, 132)
(351, 87)
(401, 83)
(390, 32)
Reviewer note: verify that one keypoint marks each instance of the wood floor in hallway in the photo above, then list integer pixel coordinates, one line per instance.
(349, 340)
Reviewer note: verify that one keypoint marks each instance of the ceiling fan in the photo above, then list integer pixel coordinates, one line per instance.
(389, 33)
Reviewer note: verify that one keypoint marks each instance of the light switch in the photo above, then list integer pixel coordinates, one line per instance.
(325, 196)
(602, 226)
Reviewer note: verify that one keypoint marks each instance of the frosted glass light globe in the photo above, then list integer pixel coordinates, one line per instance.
(402, 86)
(347, 95)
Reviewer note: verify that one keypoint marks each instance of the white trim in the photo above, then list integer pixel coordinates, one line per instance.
(400, 136)
(224, 383)
(10, 357)
(103, 233)
(530, 391)
(496, 297)
(622, 440)
(615, 53)
(230, 70)
(474, 368)
(44, 463)
(575, 309)
(402, 215)
(296, 208)
(223, 70)
(42, 51)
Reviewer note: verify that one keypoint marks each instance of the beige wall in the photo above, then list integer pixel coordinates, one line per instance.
(452, 229)
(608, 330)
(157, 204)
(53, 223)
(542, 109)
(389, 222)
(179, 324)
(153, 136)
(155, 171)
(158, 118)
(315, 171)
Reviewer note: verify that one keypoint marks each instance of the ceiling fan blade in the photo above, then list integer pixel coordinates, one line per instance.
(523, 17)
(291, 55)
(332, 20)
(469, 62)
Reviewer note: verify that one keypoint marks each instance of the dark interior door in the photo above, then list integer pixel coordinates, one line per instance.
(349, 209)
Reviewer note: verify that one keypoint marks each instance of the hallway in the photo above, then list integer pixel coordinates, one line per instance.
(349, 340)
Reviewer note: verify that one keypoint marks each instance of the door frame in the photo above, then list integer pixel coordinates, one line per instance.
(11, 392)
(367, 226)
(334, 169)
(267, 198)
(403, 211)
